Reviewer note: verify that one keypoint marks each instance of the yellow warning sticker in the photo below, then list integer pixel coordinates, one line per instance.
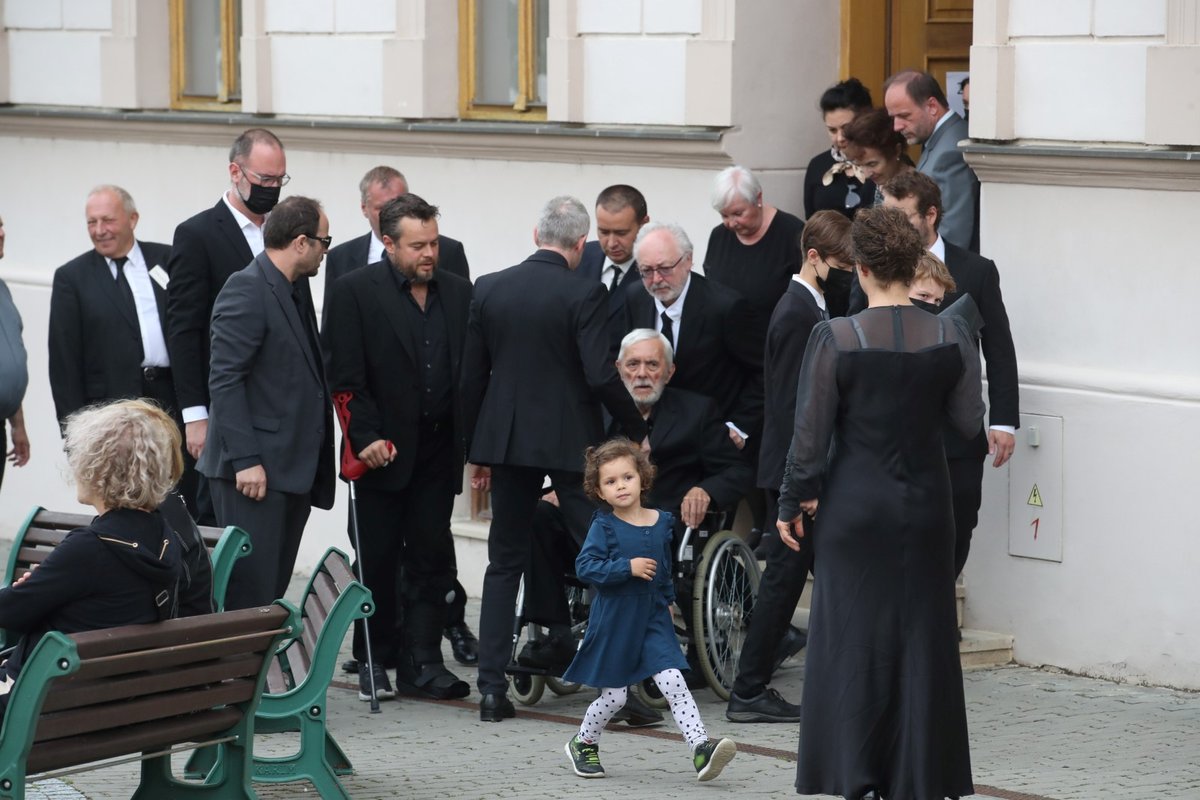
(1035, 498)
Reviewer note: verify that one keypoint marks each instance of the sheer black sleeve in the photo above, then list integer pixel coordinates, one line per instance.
(816, 412)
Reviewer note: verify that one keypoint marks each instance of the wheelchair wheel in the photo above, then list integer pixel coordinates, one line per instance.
(723, 596)
(650, 694)
(561, 687)
(527, 689)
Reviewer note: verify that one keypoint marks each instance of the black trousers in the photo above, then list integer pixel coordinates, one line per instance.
(515, 495)
(275, 524)
(161, 389)
(966, 486)
(778, 593)
(552, 555)
(407, 557)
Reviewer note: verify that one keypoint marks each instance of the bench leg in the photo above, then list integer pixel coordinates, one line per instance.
(159, 782)
(200, 763)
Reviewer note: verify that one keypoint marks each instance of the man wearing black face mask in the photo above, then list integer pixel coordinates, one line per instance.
(825, 250)
(207, 249)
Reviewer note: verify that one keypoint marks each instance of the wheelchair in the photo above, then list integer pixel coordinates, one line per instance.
(716, 582)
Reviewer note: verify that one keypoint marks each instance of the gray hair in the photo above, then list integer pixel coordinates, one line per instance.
(383, 175)
(564, 221)
(677, 233)
(733, 182)
(644, 335)
(126, 198)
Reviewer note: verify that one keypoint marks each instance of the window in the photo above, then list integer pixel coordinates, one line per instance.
(205, 62)
(502, 58)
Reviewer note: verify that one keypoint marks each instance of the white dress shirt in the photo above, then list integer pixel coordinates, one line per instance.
(606, 274)
(674, 311)
(817, 295)
(154, 345)
(375, 250)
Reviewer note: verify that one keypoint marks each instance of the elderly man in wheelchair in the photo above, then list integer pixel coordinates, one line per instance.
(701, 475)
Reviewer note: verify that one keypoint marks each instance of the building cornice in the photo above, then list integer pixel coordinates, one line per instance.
(688, 148)
(1083, 165)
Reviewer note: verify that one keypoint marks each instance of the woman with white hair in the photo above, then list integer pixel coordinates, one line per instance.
(756, 249)
(123, 568)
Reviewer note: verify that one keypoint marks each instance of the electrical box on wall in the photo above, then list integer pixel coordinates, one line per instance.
(1035, 489)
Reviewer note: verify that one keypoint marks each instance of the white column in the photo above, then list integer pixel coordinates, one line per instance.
(993, 73)
(256, 59)
(1173, 79)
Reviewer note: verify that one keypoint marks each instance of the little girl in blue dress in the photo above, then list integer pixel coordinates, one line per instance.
(630, 636)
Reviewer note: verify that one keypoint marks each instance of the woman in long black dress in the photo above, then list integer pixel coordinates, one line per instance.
(883, 696)
(830, 182)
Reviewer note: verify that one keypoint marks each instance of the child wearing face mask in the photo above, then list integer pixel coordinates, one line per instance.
(630, 636)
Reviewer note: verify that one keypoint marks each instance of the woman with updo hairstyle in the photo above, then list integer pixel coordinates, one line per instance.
(866, 478)
(830, 182)
(876, 149)
(123, 568)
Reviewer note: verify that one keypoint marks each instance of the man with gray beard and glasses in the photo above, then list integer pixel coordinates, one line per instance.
(698, 469)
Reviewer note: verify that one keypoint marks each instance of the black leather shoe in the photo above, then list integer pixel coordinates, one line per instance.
(769, 706)
(792, 642)
(637, 714)
(495, 707)
(432, 681)
(463, 644)
(553, 654)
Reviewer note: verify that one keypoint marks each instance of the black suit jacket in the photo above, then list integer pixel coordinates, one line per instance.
(716, 354)
(690, 446)
(590, 267)
(796, 314)
(371, 356)
(270, 404)
(536, 368)
(207, 249)
(351, 255)
(977, 276)
(95, 339)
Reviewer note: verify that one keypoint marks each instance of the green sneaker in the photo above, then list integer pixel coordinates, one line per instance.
(711, 756)
(585, 758)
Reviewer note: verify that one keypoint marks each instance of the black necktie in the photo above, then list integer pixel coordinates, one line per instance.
(616, 278)
(668, 329)
(124, 288)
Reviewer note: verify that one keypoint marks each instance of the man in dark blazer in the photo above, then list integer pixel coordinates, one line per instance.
(107, 309)
(395, 339)
(825, 247)
(378, 187)
(269, 454)
(918, 107)
(535, 374)
(918, 196)
(620, 214)
(707, 324)
(207, 249)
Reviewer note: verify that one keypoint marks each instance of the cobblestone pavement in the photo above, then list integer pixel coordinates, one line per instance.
(1034, 734)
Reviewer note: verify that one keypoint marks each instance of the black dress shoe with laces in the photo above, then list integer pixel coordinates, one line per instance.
(463, 644)
(495, 707)
(768, 706)
(636, 714)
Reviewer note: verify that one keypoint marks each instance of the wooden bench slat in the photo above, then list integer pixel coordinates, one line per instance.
(27, 557)
(45, 537)
(166, 657)
(339, 570)
(95, 644)
(145, 709)
(61, 520)
(78, 693)
(132, 739)
(277, 682)
(325, 590)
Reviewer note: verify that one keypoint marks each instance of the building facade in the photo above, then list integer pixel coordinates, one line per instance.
(1085, 126)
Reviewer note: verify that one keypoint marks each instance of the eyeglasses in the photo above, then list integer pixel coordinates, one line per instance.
(324, 240)
(267, 180)
(648, 273)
